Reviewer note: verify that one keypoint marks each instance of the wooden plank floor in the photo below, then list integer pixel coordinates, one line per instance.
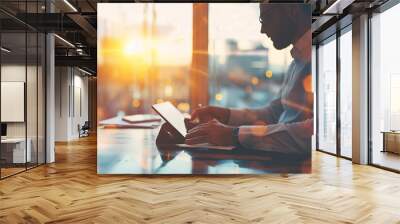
(70, 191)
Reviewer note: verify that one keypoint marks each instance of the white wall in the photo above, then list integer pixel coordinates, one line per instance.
(71, 94)
(80, 110)
(16, 73)
(12, 73)
(61, 103)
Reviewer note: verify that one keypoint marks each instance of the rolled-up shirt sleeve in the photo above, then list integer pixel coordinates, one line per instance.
(286, 124)
(266, 115)
(261, 137)
(239, 117)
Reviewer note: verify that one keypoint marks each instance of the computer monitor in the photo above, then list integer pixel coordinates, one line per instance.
(3, 130)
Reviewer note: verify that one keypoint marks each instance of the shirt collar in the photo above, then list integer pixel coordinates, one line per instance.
(300, 51)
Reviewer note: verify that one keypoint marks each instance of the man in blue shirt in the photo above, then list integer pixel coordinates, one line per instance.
(286, 124)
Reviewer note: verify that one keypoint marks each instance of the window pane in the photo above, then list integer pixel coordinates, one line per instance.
(132, 55)
(14, 153)
(41, 98)
(385, 88)
(327, 96)
(346, 94)
(32, 97)
(243, 64)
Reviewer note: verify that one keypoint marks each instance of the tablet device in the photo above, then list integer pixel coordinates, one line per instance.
(176, 119)
(171, 115)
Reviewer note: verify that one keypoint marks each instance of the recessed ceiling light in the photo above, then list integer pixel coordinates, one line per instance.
(337, 7)
(65, 41)
(5, 50)
(70, 5)
(84, 71)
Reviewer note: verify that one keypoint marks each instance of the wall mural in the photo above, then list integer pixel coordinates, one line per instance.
(204, 88)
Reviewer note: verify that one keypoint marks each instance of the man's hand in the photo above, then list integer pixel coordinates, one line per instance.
(213, 132)
(208, 113)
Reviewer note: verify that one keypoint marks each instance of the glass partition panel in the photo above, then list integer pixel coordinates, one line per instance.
(346, 94)
(327, 96)
(14, 151)
(22, 87)
(385, 89)
(41, 79)
(31, 98)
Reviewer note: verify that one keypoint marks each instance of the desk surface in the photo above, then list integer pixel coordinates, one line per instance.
(133, 151)
(391, 132)
(13, 140)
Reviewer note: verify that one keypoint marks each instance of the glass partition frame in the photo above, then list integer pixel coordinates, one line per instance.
(30, 56)
(337, 150)
(373, 72)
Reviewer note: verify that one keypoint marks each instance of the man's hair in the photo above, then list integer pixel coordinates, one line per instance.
(289, 20)
(282, 1)
(296, 4)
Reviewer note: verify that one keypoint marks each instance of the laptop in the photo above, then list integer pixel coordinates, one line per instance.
(170, 114)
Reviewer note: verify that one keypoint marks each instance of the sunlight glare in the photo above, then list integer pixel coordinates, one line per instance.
(133, 47)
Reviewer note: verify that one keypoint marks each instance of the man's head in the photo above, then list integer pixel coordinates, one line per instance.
(284, 23)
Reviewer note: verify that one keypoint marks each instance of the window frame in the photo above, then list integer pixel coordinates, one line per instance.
(333, 37)
(381, 9)
(27, 29)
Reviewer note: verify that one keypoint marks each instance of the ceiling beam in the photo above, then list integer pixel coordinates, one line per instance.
(337, 7)
(82, 61)
(84, 24)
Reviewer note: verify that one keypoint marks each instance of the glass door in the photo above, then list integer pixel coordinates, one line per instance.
(327, 96)
(346, 93)
(14, 153)
(22, 77)
(385, 89)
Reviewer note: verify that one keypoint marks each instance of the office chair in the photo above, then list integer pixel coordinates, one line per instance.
(84, 130)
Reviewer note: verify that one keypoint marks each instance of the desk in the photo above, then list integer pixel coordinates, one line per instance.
(13, 150)
(133, 151)
(391, 141)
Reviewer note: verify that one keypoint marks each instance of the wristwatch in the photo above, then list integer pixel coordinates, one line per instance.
(235, 137)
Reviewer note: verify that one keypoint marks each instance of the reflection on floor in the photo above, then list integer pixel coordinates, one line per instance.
(70, 191)
(346, 152)
(386, 159)
(8, 170)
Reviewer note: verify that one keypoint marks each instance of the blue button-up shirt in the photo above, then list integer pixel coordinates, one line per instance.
(289, 117)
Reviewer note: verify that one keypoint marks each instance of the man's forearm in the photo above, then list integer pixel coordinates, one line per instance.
(239, 117)
(267, 115)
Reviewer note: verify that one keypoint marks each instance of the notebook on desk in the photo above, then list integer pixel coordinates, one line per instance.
(141, 118)
(118, 122)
